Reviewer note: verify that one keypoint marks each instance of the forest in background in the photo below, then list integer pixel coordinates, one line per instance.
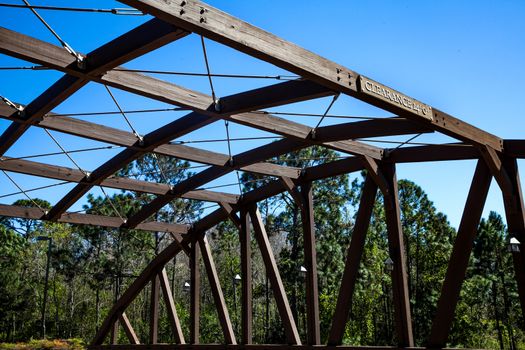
(91, 266)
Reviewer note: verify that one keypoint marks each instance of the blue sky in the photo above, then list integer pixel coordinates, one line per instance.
(463, 57)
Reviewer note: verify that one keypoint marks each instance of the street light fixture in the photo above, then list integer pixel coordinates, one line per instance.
(514, 245)
(303, 271)
(44, 302)
(389, 265)
(237, 278)
(186, 287)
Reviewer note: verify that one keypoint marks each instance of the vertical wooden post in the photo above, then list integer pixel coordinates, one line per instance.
(310, 261)
(170, 307)
(194, 293)
(515, 214)
(353, 258)
(290, 328)
(458, 263)
(154, 310)
(215, 285)
(396, 246)
(246, 277)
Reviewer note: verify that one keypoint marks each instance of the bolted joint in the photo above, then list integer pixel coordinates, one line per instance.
(217, 105)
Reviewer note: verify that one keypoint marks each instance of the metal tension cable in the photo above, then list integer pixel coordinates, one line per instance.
(312, 132)
(24, 192)
(86, 173)
(81, 62)
(217, 106)
(114, 11)
(133, 130)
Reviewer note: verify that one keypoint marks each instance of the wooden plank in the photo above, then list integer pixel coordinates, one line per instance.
(195, 289)
(164, 134)
(170, 93)
(495, 165)
(433, 153)
(514, 148)
(87, 219)
(215, 285)
(458, 262)
(114, 136)
(128, 329)
(246, 277)
(515, 215)
(248, 347)
(203, 19)
(353, 259)
(310, 261)
(170, 307)
(290, 328)
(147, 37)
(75, 175)
(154, 310)
(226, 29)
(396, 248)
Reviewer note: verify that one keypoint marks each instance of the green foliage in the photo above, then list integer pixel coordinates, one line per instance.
(91, 266)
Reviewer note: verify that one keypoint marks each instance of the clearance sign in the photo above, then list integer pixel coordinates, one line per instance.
(373, 88)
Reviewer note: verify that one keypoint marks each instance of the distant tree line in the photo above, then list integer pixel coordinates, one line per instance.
(92, 266)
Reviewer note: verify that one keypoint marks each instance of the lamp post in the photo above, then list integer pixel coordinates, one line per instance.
(236, 280)
(44, 302)
(389, 268)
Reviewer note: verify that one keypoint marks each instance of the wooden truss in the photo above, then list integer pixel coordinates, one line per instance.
(319, 77)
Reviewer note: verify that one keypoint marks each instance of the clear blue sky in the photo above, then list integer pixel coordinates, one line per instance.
(463, 57)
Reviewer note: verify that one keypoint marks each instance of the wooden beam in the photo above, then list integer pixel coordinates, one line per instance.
(515, 214)
(203, 19)
(433, 153)
(249, 347)
(290, 328)
(154, 310)
(75, 175)
(136, 287)
(170, 93)
(195, 293)
(310, 261)
(396, 248)
(162, 135)
(215, 285)
(458, 262)
(212, 173)
(88, 219)
(495, 165)
(170, 307)
(246, 277)
(514, 148)
(128, 329)
(353, 259)
(147, 37)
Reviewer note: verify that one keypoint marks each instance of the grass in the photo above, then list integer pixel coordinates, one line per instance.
(46, 344)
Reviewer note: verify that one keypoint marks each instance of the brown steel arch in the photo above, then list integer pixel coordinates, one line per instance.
(496, 158)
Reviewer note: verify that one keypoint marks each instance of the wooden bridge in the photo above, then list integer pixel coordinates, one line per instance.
(319, 77)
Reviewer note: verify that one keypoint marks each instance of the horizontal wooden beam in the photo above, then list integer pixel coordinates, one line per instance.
(73, 175)
(170, 93)
(177, 128)
(88, 219)
(249, 347)
(203, 19)
(147, 37)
